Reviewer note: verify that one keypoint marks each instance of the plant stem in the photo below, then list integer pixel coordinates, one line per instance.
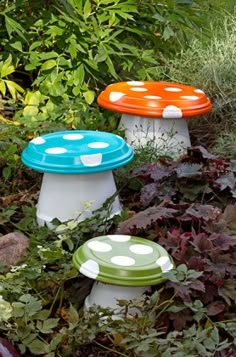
(110, 349)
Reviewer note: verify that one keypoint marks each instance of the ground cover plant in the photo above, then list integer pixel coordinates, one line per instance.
(52, 65)
(189, 207)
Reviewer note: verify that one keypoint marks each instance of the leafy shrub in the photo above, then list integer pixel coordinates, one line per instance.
(66, 55)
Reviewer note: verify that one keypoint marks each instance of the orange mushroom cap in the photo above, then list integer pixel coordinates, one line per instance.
(155, 99)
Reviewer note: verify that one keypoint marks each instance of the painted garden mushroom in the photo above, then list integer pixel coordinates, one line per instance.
(155, 111)
(123, 267)
(77, 167)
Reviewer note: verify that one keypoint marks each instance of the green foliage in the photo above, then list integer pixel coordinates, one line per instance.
(65, 56)
(6, 68)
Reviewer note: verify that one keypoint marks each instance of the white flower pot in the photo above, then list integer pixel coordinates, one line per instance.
(106, 296)
(66, 196)
(169, 134)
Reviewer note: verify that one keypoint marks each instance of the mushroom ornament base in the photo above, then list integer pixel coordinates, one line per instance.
(77, 167)
(66, 196)
(171, 135)
(106, 295)
(123, 266)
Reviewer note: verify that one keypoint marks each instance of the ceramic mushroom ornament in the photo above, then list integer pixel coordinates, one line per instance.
(155, 111)
(77, 167)
(123, 267)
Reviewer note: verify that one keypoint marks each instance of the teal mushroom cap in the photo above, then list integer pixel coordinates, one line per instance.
(123, 260)
(77, 152)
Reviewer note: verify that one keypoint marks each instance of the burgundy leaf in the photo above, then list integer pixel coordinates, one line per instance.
(215, 308)
(148, 194)
(181, 291)
(202, 243)
(185, 291)
(223, 241)
(163, 171)
(180, 319)
(226, 181)
(229, 216)
(198, 263)
(228, 291)
(200, 150)
(145, 218)
(188, 170)
(206, 212)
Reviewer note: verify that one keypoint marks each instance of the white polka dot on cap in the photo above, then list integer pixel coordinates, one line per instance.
(152, 97)
(56, 150)
(198, 91)
(138, 89)
(119, 238)
(173, 89)
(91, 160)
(141, 249)
(172, 112)
(164, 263)
(122, 260)
(98, 145)
(90, 269)
(99, 246)
(38, 141)
(114, 96)
(190, 97)
(135, 83)
(73, 136)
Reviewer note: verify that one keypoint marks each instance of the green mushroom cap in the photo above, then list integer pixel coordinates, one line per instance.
(123, 260)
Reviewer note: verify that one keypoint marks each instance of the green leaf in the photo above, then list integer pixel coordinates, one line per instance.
(87, 9)
(89, 96)
(17, 45)
(49, 324)
(73, 317)
(14, 26)
(2, 87)
(168, 32)
(38, 347)
(33, 98)
(34, 45)
(55, 342)
(111, 67)
(48, 65)
(30, 111)
(6, 172)
(79, 75)
(13, 88)
(6, 67)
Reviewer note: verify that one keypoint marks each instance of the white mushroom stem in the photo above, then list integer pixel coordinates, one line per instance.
(106, 295)
(165, 133)
(68, 196)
